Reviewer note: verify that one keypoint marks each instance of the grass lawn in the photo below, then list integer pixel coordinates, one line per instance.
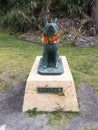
(17, 57)
(92, 129)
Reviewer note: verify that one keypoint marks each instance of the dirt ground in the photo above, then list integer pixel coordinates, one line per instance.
(12, 118)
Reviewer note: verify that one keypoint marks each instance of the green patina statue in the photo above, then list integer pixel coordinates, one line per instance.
(50, 63)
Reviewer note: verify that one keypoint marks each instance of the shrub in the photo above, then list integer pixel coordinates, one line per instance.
(22, 15)
(16, 21)
(80, 7)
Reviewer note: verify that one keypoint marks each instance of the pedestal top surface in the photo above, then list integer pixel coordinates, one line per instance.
(65, 76)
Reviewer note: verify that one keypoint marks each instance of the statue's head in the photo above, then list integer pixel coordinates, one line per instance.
(51, 28)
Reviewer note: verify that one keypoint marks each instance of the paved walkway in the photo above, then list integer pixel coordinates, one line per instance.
(11, 117)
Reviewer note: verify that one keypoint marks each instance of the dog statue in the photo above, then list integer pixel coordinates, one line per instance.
(50, 40)
(50, 62)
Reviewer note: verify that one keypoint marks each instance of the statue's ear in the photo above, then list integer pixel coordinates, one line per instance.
(56, 21)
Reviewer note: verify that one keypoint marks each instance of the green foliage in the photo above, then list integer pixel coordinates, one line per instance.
(17, 21)
(22, 15)
(60, 118)
(57, 117)
(65, 32)
(72, 7)
(30, 14)
(76, 78)
(78, 7)
(32, 112)
(73, 43)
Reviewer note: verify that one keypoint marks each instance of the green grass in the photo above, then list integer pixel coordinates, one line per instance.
(16, 60)
(83, 64)
(55, 118)
(91, 129)
(60, 118)
(17, 57)
(32, 112)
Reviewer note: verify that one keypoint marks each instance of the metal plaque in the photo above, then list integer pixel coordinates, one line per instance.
(49, 90)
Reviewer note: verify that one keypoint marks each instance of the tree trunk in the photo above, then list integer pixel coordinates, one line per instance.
(96, 16)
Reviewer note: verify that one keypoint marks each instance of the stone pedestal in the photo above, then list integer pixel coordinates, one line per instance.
(50, 101)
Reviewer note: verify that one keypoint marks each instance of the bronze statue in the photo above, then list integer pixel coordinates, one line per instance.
(50, 63)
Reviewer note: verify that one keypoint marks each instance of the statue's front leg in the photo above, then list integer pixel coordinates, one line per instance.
(56, 55)
(45, 57)
(56, 60)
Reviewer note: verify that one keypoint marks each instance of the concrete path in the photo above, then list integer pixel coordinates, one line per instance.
(11, 117)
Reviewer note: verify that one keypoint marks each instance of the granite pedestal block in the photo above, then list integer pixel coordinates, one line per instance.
(50, 101)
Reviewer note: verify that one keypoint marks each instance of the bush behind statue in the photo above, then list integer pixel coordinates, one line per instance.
(23, 15)
(16, 21)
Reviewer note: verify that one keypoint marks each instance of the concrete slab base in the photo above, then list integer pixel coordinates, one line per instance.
(50, 101)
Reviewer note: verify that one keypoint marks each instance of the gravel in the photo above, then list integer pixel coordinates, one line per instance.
(12, 118)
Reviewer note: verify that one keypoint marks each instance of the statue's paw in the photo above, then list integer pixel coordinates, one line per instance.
(45, 66)
(56, 66)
